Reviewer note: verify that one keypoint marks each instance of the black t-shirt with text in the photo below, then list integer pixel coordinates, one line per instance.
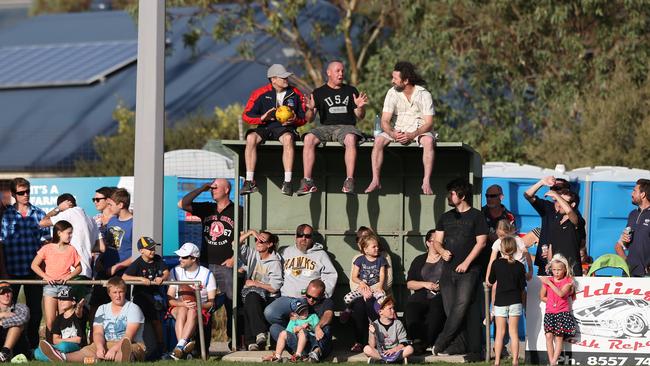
(217, 232)
(461, 230)
(140, 268)
(70, 327)
(511, 281)
(336, 106)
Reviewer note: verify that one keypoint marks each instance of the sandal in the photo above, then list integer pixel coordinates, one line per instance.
(357, 347)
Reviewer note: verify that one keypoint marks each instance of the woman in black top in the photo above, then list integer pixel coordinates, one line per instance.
(425, 303)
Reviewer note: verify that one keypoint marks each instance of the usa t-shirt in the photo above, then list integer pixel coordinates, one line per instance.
(336, 106)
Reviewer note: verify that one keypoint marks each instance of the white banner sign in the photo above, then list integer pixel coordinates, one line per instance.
(613, 317)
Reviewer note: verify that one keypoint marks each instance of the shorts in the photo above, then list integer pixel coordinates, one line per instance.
(508, 310)
(273, 133)
(329, 133)
(205, 315)
(53, 290)
(417, 138)
(137, 349)
(292, 341)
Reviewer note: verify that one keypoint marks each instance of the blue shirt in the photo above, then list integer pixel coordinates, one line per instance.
(115, 324)
(120, 236)
(369, 270)
(22, 238)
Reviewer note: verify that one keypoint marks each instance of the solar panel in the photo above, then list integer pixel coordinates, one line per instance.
(63, 64)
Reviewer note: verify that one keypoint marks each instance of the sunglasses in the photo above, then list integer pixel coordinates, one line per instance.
(303, 235)
(23, 193)
(187, 257)
(98, 199)
(492, 195)
(315, 298)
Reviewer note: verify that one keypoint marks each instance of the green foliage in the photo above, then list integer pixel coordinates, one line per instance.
(116, 152)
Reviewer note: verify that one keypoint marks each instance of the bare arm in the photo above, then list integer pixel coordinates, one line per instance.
(542, 292)
(426, 127)
(385, 124)
(185, 203)
(620, 250)
(382, 278)
(566, 207)
(530, 192)
(438, 238)
(493, 257)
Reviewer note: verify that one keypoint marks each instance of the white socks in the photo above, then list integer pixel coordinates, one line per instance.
(250, 175)
(287, 176)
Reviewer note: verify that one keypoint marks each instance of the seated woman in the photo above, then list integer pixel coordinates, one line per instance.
(425, 302)
(361, 308)
(263, 269)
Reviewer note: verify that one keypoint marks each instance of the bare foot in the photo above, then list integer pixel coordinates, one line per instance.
(426, 188)
(373, 187)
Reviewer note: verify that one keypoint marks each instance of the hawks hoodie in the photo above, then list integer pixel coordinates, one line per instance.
(300, 268)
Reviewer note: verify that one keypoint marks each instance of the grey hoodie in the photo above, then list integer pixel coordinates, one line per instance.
(300, 268)
(267, 270)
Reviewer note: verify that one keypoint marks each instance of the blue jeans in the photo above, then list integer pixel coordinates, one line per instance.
(279, 310)
(457, 290)
(64, 347)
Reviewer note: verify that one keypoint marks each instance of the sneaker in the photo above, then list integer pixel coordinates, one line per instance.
(177, 353)
(189, 347)
(286, 189)
(253, 347)
(248, 188)
(306, 187)
(435, 352)
(348, 186)
(314, 356)
(125, 350)
(260, 341)
(50, 352)
(5, 355)
(345, 316)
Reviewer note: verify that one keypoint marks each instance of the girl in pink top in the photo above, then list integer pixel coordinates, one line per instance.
(558, 320)
(61, 264)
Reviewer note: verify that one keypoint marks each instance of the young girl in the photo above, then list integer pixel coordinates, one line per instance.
(558, 320)
(511, 276)
(61, 264)
(299, 331)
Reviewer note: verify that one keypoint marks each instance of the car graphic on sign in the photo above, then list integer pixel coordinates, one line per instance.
(615, 316)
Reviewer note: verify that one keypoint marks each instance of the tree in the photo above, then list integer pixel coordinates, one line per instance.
(496, 68)
(116, 153)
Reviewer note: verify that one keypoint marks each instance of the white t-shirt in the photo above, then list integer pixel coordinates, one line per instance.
(209, 283)
(280, 98)
(115, 324)
(84, 235)
(409, 115)
(519, 254)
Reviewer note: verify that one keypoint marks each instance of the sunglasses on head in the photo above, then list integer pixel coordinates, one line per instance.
(303, 235)
(97, 199)
(492, 195)
(23, 193)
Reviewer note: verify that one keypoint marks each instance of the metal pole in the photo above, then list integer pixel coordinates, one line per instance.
(235, 245)
(486, 299)
(199, 323)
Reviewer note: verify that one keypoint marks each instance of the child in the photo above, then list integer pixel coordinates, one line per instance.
(120, 232)
(301, 326)
(69, 329)
(151, 270)
(368, 271)
(387, 339)
(558, 320)
(511, 276)
(62, 263)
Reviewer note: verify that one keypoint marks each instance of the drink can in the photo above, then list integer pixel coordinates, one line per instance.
(629, 231)
(89, 360)
(545, 250)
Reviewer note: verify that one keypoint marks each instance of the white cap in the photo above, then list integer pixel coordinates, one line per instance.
(188, 249)
(277, 70)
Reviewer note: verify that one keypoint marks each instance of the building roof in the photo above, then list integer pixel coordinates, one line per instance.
(47, 128)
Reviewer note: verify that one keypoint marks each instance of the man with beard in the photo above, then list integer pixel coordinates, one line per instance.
(637, 239)
(409, 106)
(339, 107)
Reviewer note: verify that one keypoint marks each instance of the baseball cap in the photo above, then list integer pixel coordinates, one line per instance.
(188, 249)
(146, 242)
(277, 70)
(65, 294)
(383, 301)
(298, 306)
(5, 287)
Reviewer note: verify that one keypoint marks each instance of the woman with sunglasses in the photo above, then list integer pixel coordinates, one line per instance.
(263, 269)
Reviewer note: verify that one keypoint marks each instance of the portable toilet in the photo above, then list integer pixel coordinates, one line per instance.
(607, 203)
(515, 179)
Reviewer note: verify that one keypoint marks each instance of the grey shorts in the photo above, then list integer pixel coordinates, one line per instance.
(53, 290)
(327, 133)
(508, 311)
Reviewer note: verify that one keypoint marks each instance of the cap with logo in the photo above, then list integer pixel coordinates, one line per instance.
(188, 249)
(298, 306)
(65, 293)
(146, 242)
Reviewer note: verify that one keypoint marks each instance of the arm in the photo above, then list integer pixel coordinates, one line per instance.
(493, 257)
(426, 127)
(360, 101)
(354, 276)
(123, 264)
(310, 105)
(480, 243)
(529, 264)
(36, 267)
(329, 276)
(542, 291)
(326, 319)
(385, 124)
(530, 192)
(372, 341)
(253, 114)
(566, 207)
(565, 290)
(619, 248)
(73, 274)
(19, 317)
(185, 203)
(131, 330)
(382, 278)
(438, 238)
(144, 280)
(57, 339)
(99, 340)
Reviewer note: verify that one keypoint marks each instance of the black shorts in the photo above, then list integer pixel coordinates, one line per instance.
(274, 133)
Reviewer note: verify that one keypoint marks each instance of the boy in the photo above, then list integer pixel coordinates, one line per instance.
(151, 270)
(120, 230)
(298, 333)
(69, 328)
(387, 339)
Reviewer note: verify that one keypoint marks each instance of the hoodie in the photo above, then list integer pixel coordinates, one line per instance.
(267, 270)
(300, 268)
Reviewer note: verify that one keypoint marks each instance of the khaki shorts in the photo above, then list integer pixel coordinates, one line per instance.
(417, 138)
(337, 133)
(137, 349)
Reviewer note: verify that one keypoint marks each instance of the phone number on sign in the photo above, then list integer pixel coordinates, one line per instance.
(613, 361)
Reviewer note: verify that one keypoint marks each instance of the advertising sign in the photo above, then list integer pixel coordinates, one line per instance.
(613, 318)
